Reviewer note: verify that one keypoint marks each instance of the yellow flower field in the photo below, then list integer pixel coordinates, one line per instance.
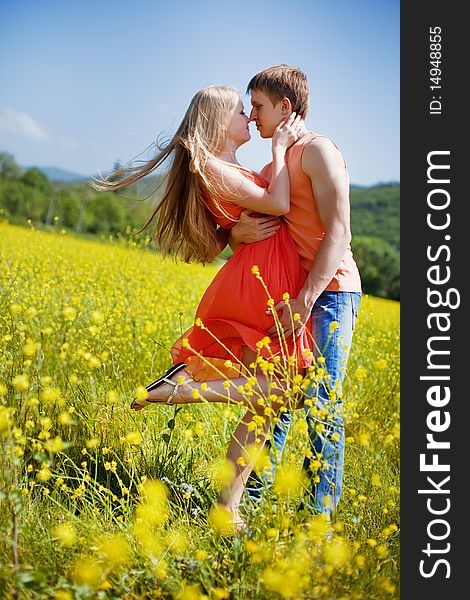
(97, 501)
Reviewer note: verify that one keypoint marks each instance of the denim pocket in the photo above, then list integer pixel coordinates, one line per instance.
(355, 303)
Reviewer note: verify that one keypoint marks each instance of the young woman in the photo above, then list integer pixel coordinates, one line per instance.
(206, 191)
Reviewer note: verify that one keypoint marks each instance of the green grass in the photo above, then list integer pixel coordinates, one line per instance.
(83, 324)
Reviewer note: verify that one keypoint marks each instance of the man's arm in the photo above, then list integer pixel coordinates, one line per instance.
(252, 229)
(222, 236)
(324, 165)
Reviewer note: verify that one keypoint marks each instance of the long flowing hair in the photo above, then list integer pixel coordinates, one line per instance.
(184, 226)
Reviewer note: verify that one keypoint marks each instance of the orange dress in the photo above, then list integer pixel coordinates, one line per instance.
(233, 308)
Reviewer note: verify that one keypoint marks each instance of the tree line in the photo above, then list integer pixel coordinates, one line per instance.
(77, 207)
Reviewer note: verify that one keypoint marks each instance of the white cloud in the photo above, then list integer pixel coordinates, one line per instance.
(15, 121)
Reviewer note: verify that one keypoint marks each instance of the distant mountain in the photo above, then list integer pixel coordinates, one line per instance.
(57, 174)
(375, 209)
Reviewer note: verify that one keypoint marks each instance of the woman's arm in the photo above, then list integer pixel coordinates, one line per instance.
(232, 186)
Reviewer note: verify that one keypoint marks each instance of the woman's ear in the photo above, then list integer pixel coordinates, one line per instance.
(286, 107)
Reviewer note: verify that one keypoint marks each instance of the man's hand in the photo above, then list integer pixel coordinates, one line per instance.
(288, 317)
(254, 229)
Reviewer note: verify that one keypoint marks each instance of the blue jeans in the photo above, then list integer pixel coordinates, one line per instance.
(324, 466)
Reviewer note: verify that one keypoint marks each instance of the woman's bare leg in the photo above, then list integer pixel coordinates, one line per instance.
(243, 436)
(230, 496)
(216, 390)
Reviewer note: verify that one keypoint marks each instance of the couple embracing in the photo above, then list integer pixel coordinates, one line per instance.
(291, 289)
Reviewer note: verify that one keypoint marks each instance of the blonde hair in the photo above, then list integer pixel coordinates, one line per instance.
(184, 225)
(282, 81)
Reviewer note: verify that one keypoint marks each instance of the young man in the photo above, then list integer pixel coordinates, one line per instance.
(319, 222)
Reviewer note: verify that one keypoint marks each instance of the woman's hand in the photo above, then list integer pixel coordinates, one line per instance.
(287, 132)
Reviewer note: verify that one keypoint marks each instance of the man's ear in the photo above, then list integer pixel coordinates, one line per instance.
(286, 106)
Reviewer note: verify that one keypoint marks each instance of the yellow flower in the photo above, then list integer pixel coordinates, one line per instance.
(65, 533)
(263, 342)
(201, 555)
(318, 528)
(333, 326)
(65, 418)
(272, 533)
(141, 393)
(110, 466)
(30, 348)
(43, 474)
(49, 394)
(222, 472)
(376, 481)
(361, 373)
(221, 520)
(113, 397)
(360, 560)
(31, 312)
(153, 509)
(63, 595)
(364, 439)
(97, 317)
(15, 308)
(176, 541)
(255, 270)
(21, 382)
(133, 438)
(87, 571)
(288, 481)
(381, 364)
(55, 445)
(259, 457)
(69, 313)
(337, 553)
(396, 430)
(94, 362)
(190, 592)
(114, 550)
(150, 327)
(301, 427)
(5, 418)
(382, 551)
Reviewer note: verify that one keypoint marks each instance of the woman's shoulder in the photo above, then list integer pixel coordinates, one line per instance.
(254, 176)
(221, 169)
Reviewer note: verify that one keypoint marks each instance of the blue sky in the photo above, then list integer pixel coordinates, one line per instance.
(85, 83)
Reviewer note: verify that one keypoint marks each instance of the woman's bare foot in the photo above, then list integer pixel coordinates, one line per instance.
(236, 522)
(160, 394)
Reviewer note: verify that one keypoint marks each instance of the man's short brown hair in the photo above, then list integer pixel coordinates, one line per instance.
(282, 81)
